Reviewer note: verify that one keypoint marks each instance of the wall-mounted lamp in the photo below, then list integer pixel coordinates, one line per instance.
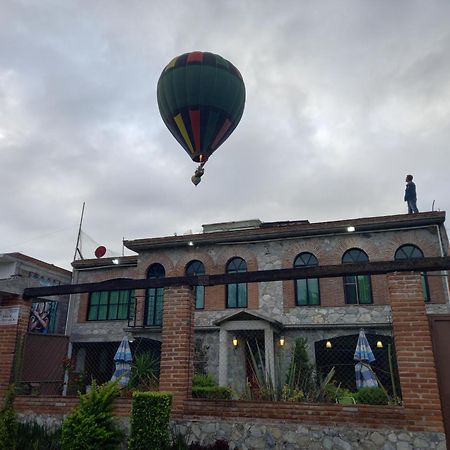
(379, 344)
(281, 341)
(235, 342)
(328, 344)
(191, 243)
(350, 229)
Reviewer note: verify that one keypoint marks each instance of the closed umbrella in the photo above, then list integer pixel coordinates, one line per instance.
(364, 355)
(123, 360)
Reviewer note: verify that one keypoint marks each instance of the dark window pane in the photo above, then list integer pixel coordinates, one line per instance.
(242, 295)
(307, 289)
(351, 296)
(199, 297)
(313, 291)
(232, 295)
(364, 291)
(236, 293)
(302, 292)
(102, 312)
(197, 268)
(155, 297)
(410, 251)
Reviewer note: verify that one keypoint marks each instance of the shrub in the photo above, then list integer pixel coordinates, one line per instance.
(91, 425)
(8, 421)
(145, 372)
(371, 396)
(203, 380)
(149, 421)
(300, 373)
(31, 435)
(335, 393)
(212, 392)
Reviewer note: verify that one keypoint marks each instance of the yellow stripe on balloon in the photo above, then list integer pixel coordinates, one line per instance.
(171, 64)
(180, 124)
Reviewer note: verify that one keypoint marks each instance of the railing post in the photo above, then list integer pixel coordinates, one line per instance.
(177, 350)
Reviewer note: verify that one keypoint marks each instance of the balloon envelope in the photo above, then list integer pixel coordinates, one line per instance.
(201, 99)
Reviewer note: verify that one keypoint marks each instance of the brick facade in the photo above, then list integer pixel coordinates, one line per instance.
(11, 337)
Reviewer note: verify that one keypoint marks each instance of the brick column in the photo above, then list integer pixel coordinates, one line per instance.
(177, 350)
(9, 338)
(417, 371)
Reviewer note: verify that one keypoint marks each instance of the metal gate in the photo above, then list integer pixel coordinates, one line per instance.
(41, 366)
(440, 334)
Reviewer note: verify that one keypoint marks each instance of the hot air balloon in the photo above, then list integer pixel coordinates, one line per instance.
(201, 99)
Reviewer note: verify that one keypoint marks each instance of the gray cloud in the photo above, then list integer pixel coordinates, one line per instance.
(343, 99)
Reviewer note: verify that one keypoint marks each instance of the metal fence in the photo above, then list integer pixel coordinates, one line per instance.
(51, 365)
(299, 365)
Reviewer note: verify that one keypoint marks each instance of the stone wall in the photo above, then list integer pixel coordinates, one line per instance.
(251, 435)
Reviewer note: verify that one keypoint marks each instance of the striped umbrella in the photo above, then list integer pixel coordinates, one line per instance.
(123, 358)
(364, 355)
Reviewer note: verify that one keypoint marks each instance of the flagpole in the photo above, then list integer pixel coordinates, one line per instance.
(77, 250)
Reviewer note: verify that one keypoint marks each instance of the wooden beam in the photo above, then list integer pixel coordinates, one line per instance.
(331, 271)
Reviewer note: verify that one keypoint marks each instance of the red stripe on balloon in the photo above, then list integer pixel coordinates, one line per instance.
(220, 134)
(195, 57)
(194, 115)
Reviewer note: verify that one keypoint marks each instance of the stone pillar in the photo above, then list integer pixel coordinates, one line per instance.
(223, 357)
(15, 313)
(412, 337)
(177, 350)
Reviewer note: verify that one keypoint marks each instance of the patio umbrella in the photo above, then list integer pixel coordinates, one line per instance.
(364, 355)
(123, 360)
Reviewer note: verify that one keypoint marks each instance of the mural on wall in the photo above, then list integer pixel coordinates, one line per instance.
(43, 317)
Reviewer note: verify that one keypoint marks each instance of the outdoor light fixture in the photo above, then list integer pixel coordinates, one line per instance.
(350, 228)
(379, 344)
(235, 342)
(115, 261)
(191, 244)
(281, 341)
(328, 344)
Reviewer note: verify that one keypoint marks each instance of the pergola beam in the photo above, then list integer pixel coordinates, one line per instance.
(330, 271)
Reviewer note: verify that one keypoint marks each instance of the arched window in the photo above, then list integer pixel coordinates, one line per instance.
(236, 293)
(154, 297)
(306, 289)
(197, 268)
(357, 288)
(410, 251)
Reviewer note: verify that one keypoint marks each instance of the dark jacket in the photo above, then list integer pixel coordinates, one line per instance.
(410, 191)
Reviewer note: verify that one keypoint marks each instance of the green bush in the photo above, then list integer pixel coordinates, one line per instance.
(31, 435)
(149, 421)
(91, 425)
(212, 392)
(200, 380)
(333, 393)
(8, 421)
(145, 372)
(372, 396)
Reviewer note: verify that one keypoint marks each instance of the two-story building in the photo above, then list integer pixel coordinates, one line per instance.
(233, 322)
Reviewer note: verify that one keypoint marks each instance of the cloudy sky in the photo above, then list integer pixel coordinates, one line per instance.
(344, 98)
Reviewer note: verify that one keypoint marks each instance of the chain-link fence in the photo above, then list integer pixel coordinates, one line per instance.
(313, 365)
(52, 365)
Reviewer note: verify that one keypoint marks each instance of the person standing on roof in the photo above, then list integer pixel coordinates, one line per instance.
(410, 195)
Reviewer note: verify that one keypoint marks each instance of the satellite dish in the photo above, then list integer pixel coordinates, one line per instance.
(100, 251)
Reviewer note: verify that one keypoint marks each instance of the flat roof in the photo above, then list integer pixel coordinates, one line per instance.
(278, 230)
